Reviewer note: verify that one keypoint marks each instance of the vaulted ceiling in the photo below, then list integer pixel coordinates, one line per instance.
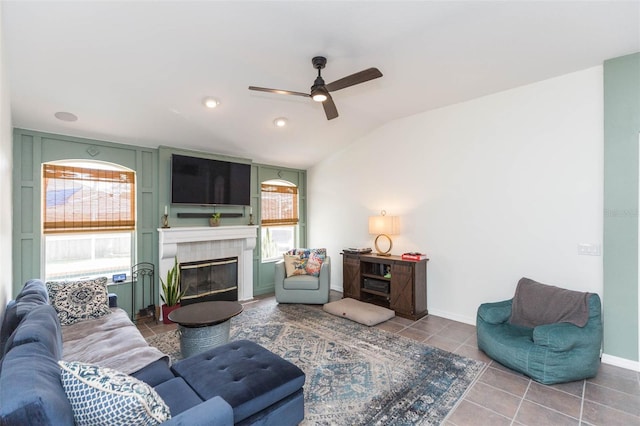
(136, 71)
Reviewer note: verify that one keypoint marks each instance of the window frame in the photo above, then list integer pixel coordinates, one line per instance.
(274, 221)
(129, 226)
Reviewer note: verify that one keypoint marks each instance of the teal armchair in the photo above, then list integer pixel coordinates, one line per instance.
(549, 353)
(303, 288)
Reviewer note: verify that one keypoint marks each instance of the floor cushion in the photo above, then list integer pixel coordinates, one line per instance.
(361, 312)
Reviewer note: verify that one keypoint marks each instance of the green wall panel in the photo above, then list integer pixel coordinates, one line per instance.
(266, 270)
(26, 151)
(27, 225)
(27, 269)
(64, 148)
(31, 149)
(152, 169)
(620, 255)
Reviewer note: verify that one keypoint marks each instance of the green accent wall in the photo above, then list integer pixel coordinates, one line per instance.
(621, 133)
(31, 149)
(266, 270)
(152, 167)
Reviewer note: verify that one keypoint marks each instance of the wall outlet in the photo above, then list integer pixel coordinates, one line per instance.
(589, 250)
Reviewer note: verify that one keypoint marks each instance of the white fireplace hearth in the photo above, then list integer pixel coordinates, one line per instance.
(191, 244)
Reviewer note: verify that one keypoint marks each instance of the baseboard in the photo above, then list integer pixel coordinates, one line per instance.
(621, 362)
(452, 317)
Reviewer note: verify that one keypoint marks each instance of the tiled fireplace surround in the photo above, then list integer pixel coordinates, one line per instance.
(190, 244)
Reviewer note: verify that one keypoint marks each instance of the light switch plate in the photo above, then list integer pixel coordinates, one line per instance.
(589, 250)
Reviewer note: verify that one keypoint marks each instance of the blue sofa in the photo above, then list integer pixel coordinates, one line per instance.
(237, 383)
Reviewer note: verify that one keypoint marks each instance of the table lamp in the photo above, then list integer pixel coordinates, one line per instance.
(383, 226)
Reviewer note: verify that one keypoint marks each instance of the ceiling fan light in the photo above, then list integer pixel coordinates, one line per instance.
(319, 97)
(280, 122)
(210, 102)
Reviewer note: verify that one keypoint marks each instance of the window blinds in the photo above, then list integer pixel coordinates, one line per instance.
(78, 199)
(279, 205)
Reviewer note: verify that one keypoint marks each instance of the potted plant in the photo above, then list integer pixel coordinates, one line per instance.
(214, 220)
(171, 293)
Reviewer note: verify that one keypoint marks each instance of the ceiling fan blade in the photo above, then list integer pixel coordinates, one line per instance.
(279, 91)
(330, 108)
(353, 79)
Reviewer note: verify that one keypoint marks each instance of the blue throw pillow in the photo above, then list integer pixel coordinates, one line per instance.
(103, 396)
(79, 300)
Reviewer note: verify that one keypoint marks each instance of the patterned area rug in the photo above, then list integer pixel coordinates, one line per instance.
(355, 375)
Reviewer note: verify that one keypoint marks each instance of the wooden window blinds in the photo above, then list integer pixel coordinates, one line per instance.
(279, 205)
(78, 199)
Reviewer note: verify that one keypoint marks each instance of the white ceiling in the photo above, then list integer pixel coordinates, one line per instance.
(136, 72)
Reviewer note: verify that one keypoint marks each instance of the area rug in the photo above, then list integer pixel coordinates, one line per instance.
(355, 375)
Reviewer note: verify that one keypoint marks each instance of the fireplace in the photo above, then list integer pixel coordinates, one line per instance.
(196, 244)
(208, 280)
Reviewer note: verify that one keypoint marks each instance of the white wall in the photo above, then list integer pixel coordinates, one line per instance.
(5, 180)
(493, 189)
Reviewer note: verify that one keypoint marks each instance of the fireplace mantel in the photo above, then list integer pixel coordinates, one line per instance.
(189, 244)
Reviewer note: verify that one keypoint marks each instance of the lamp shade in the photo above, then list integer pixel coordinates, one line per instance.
(383, 225)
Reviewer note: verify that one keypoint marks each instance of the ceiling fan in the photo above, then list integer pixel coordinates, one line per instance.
(320, 91)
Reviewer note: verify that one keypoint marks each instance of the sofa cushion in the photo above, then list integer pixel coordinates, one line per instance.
(177, 394)
(103, 396)
(36, 288)
(301, 282)
(40, 325)
(30, 388)
(155, 373)
(10, 322)
(34, 293)
(246, 375)
(79, 300)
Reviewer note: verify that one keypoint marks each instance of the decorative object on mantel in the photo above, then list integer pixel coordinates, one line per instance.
(250, 215)
(383, 226)
(214, 220)
(165, 218)
(171, 293)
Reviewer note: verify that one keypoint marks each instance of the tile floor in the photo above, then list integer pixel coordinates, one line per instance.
(503, 397)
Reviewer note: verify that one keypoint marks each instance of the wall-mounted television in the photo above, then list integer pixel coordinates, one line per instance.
(202, 181)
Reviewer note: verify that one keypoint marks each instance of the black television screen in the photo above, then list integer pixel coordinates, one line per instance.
(208, 182)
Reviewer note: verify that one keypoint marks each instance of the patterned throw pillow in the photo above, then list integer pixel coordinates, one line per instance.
(294, 265)
(314, 258)
(103, 396)
(79, 300)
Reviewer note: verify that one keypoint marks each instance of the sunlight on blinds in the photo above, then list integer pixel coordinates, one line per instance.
(279, 205)
(78, 199)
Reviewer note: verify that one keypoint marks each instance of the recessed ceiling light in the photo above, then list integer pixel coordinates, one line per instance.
(280, 122)
(65, 116)
(210, 102)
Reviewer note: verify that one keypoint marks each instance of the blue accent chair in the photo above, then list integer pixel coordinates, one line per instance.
(303, 288)
(550, 353)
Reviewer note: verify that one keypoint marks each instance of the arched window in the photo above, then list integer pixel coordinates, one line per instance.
(278, 217)
(88, 219)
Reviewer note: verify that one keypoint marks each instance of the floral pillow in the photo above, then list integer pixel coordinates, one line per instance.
(103, 396)
(294, 265)
(314, 258)
(79, 300)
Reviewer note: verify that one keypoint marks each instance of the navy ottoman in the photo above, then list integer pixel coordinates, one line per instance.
(253, 380)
